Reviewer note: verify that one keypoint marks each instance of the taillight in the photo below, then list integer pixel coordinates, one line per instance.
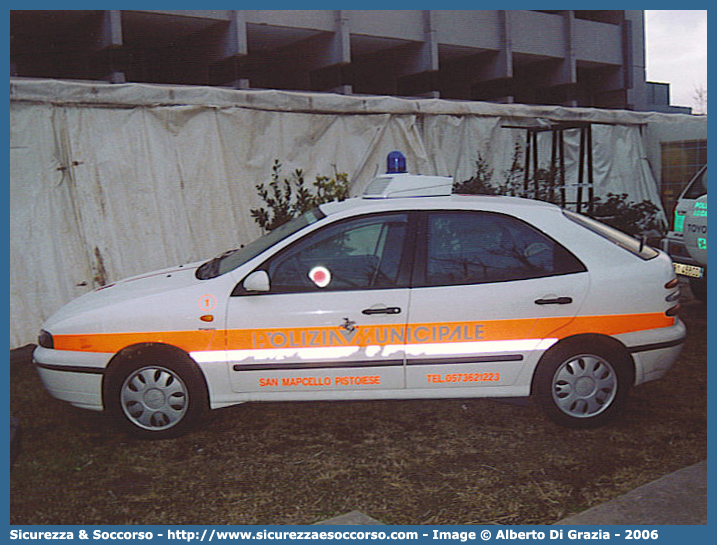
(673, 297)
(672, 284)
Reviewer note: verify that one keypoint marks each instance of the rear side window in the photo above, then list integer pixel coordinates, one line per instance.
(615, 236)
(480, 247)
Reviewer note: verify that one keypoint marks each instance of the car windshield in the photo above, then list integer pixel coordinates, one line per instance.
(228, 261)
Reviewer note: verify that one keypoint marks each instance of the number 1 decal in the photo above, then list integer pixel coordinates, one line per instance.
(207, 302)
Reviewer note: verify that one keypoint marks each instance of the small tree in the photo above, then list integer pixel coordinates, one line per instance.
(699, 96)
(288, 198)
(479, 183)
(636, 219)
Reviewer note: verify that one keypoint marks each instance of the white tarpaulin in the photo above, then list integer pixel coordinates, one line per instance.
(109, 181)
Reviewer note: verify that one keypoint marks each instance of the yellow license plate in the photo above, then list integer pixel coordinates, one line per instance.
(689, 270)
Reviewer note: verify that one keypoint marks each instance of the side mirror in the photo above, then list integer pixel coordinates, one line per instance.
(257, 281)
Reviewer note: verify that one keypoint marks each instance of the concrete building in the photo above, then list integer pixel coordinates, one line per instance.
(590, 58)
(658, 99)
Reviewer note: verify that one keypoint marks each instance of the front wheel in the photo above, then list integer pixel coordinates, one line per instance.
(583, 384)
(156, 396)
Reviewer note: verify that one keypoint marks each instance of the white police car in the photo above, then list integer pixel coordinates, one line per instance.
(407, 292)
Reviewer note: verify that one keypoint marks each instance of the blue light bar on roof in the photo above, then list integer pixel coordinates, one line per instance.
(396, 163)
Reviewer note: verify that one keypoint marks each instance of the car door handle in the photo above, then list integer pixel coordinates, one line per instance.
(554, 301)
(381, 310)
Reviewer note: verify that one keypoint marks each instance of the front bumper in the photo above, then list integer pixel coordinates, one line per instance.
(75, 377)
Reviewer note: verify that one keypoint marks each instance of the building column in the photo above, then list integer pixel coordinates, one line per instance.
(332, 55)
(225, 51)
(109, 44)
(634, 59)
(491, 74)
(417, 77)
(569, 70)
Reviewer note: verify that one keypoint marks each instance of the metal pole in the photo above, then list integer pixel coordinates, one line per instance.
(535, 163)
(581, 170)
(562, 168)
(526, 174)
(591, 179)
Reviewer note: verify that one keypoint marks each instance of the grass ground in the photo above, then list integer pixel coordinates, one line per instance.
(401, 462)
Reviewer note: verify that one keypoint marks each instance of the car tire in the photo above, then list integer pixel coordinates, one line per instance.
(583, 382)
(156, 394)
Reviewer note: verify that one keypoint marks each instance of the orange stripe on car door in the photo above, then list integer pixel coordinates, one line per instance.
(211, 340)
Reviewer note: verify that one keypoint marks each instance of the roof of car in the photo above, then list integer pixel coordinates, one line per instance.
(476, 202)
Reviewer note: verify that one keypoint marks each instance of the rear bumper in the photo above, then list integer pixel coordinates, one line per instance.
(655, 351)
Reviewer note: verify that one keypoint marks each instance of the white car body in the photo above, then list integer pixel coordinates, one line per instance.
(412, 340)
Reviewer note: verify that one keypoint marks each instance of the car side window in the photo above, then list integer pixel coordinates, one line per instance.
(480, 247)
(361, 253)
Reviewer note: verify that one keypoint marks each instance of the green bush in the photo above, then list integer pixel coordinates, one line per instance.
(288, 198)
(636, 219)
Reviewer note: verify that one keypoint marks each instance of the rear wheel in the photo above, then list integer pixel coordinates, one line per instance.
(583, 384)
(156, 395)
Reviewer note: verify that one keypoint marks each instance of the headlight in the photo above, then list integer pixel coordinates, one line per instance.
(45, 339)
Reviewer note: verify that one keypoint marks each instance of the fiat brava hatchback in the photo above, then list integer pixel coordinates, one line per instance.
(406, 292)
